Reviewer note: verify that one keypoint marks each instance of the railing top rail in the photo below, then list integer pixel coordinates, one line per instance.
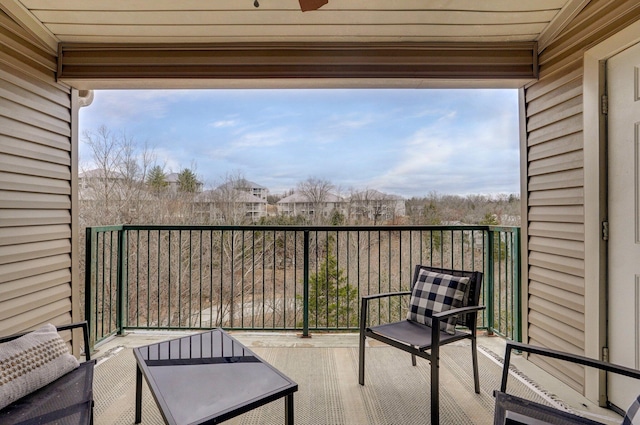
(504, 228)
(110, 228)
(305, 227)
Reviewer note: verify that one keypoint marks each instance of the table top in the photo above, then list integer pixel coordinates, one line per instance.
(208, 378)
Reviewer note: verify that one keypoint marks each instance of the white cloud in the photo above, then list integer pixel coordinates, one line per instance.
(224, 123)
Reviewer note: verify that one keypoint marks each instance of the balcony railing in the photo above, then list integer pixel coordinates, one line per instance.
(298, 278)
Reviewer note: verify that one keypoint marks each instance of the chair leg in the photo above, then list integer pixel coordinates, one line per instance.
(474, 356)
(361, 359)
(435, 388)
(413, 359)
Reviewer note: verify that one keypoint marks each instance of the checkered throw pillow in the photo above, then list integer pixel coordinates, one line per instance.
(633, 413)
(434, 293)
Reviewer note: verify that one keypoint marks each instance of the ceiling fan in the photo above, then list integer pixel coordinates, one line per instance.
(305, 5)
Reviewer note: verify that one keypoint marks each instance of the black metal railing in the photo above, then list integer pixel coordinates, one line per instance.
(303, 278)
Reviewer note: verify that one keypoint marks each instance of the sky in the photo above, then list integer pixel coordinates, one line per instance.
(406, 142)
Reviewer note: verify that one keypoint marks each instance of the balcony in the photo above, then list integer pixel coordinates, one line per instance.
(291, 295)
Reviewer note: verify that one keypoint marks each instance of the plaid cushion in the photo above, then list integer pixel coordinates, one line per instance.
(633, 413)
(434, 293)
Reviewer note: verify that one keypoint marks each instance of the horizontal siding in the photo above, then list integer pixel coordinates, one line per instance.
(560, 279)
(18, 288)
(35, 185)
(22, 217)
(559, 146)
(569, 231)
(223, 21)
(567, 196)
(557, 213)
(555, 296)
(24, 269)
(561, 263)
(559, 180)
(563, 247)
(24, 234)
(555, 185)
(34, 301)
(32, 251)
(57, 312)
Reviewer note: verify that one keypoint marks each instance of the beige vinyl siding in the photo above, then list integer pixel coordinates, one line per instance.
(169, 21)
(555, 185)
(35, 185)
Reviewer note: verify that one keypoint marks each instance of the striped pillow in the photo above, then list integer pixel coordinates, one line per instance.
(632, 417)
(434, 293)
(31, 362)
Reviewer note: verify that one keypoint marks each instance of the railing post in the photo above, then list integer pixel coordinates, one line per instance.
(517, 286)
(305, 287)
(121, 298)
(490, 299)
(89, 278)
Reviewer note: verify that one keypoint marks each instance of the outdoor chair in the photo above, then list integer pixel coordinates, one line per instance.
(510, 409)
(442, 300)
(43, 382)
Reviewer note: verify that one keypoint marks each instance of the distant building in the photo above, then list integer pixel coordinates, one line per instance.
(100, 184)
(228, 205)
(248, 186)
(375, 206)
(97, 177)
(299, 204)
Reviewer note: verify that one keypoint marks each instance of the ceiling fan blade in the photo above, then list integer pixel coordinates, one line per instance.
(306, 5)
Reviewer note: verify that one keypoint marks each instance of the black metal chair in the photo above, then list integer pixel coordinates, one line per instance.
(67, 400)
(421, 340)
(510, 409)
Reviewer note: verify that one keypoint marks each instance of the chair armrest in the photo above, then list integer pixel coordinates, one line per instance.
(385, 294)
(365, 305)
(85, 335)
(85, 331)
(456, 311)
(560, 355)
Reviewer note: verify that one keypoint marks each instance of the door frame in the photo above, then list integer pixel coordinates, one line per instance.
(595, 201)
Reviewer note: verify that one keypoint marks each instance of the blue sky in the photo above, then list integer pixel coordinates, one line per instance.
(409, 142)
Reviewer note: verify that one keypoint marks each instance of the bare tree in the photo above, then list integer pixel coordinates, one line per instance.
(317, 192)
(371, 205)
(112, 189)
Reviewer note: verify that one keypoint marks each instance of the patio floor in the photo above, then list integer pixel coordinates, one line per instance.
(325, 368)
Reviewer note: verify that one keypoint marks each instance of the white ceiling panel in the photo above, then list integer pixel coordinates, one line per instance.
(221, 21)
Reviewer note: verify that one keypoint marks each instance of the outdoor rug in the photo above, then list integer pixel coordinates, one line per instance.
(328, 391)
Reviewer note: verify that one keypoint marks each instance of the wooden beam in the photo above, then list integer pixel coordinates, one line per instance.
(96, 62)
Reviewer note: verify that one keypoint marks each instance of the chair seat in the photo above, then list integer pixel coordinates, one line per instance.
(413, 334)
(534, 413)
(67, 400)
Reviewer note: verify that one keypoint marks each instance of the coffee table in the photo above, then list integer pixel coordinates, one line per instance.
(208, 378)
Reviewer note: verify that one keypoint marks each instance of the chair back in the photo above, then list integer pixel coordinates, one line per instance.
(471, 296)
